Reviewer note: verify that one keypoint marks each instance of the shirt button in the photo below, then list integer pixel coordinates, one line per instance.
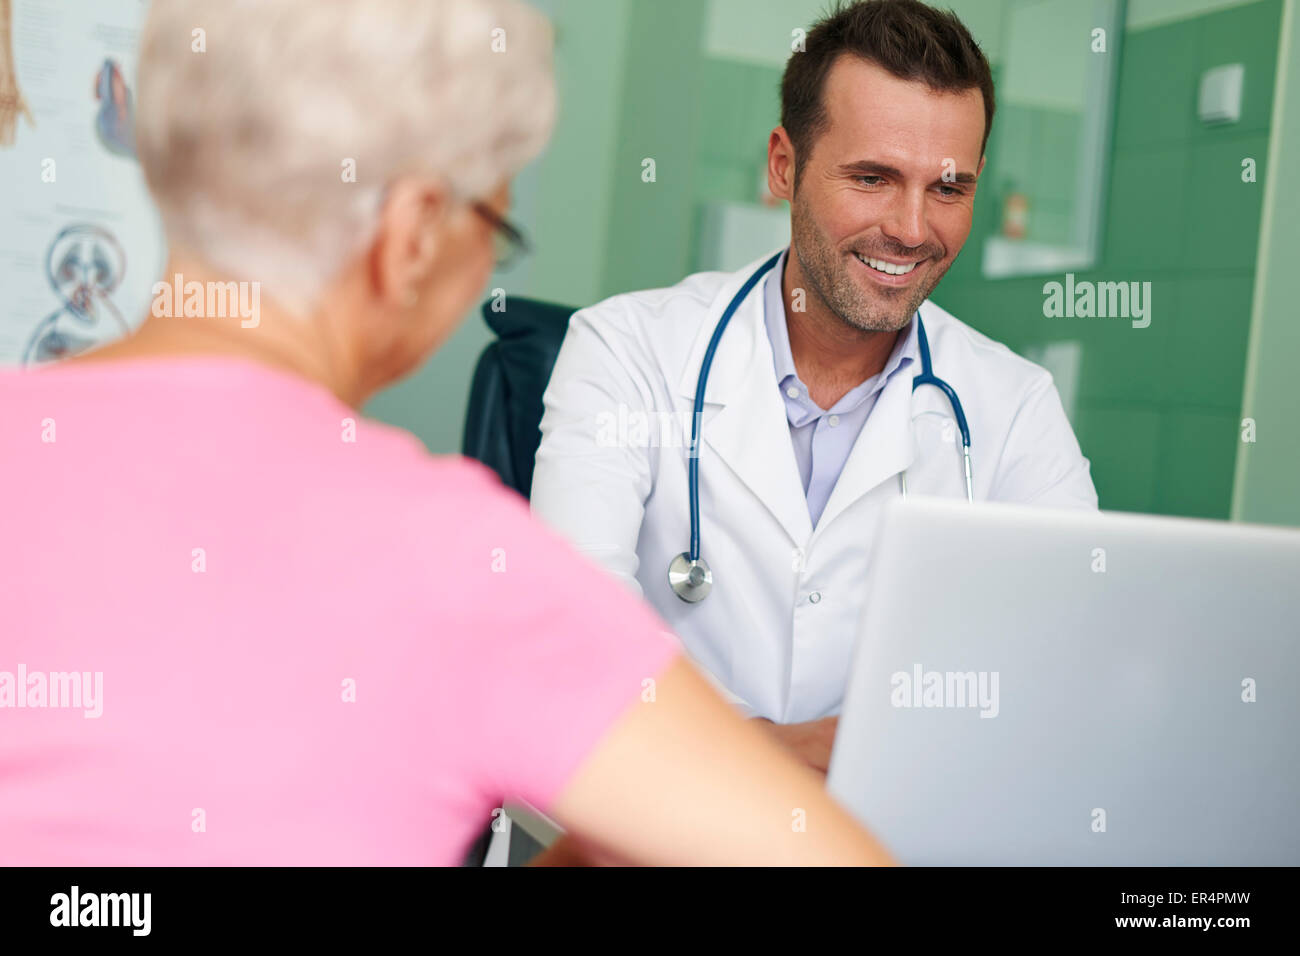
(815, 597)
(834, 420)
(792, 392)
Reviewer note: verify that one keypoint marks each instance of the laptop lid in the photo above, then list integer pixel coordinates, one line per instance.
(1051, 687)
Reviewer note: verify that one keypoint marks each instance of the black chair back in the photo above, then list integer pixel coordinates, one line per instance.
(505, 398)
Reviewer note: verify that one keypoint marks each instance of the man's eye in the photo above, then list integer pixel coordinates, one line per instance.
(950, 191)
(875, 180)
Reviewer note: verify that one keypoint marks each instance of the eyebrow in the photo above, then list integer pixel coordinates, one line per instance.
(865, 167)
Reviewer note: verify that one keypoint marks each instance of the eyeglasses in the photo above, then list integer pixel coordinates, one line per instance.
(509, 242)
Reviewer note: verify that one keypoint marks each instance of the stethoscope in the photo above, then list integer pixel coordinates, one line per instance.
(688, 573)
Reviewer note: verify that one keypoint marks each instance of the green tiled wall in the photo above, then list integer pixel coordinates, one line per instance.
(1158, 408)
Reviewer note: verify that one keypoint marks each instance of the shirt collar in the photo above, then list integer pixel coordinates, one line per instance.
(906, 347)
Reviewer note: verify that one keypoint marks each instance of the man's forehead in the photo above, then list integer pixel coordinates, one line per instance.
(866, 103)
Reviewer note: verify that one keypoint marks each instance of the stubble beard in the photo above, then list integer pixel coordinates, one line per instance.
(827, 271)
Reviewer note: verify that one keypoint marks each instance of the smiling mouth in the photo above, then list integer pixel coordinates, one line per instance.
(887, 268)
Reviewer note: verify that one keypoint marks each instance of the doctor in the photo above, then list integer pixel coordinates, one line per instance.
(809, 419)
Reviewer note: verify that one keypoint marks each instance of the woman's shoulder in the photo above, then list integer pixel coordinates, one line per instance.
(449, 489)
(402, 459)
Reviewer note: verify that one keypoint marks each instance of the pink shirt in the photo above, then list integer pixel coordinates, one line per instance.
(313, 650)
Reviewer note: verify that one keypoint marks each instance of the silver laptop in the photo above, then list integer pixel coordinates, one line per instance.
(1036, 687)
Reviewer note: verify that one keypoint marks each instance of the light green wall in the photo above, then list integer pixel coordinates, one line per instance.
(651, 222)
(579, 167)
(1268, 472)
(758, 31)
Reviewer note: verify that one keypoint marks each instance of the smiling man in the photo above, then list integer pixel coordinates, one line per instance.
(837, 386)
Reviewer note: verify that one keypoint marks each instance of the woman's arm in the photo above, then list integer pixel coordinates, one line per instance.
(684, 780)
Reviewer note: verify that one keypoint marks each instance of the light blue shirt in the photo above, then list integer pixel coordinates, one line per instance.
(823, 438)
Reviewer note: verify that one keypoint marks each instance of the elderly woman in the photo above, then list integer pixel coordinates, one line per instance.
(297, 638)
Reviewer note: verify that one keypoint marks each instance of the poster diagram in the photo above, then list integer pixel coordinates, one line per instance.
(73, 202)
(115, 121)
(12, 104)
(84, 266)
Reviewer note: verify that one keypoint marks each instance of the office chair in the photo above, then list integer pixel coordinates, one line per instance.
(505, 397)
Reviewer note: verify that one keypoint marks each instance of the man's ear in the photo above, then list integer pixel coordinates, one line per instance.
(780, 164)
(412, 224)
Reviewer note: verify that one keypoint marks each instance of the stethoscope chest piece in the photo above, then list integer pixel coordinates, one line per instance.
(690, 580)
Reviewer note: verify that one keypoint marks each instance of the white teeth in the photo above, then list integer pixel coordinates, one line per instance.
(880, 265)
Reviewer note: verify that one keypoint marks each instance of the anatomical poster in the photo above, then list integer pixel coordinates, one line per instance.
(80, 242)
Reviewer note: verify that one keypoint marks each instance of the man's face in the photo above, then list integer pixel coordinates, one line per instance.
(872, 192)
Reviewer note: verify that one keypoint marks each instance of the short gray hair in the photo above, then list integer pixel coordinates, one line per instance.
(245, 145)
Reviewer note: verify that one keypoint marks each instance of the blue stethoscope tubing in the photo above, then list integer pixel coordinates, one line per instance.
(688, 574)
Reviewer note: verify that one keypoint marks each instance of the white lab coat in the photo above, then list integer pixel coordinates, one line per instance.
(778, 629)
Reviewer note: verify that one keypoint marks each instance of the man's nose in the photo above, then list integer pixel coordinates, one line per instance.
(905, 223)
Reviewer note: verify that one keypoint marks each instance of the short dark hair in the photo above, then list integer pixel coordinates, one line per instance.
(911, 40)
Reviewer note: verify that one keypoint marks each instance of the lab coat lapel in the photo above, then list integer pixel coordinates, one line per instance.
(750, 432)
(883, 448)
